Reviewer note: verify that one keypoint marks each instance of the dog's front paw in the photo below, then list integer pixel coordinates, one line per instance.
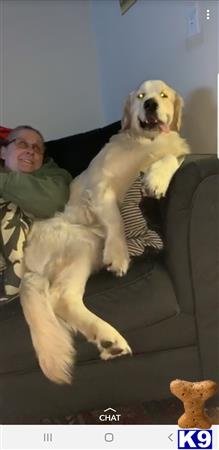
(155, 182)
(116, 257)
(155, 188)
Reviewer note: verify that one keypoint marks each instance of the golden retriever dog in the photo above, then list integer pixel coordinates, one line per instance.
(62, 252)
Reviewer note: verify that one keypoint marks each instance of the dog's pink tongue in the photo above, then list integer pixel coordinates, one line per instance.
(164, 127)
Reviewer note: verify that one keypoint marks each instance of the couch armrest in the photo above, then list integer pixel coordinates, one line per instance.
(190, 231)
(192, 251)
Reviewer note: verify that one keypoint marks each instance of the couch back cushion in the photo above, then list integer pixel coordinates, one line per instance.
(74, 153)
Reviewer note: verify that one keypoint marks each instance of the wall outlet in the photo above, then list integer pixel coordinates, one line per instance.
(193, 23)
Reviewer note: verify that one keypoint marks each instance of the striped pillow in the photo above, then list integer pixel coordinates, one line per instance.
(138, 235)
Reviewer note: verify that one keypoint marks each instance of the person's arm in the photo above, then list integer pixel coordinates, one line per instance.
(40, 196)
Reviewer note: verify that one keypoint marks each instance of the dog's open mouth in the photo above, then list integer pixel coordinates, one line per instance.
(153, 123)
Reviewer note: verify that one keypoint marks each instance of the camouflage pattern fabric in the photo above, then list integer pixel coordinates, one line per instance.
(14, 227)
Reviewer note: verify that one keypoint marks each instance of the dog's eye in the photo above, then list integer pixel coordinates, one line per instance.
(141, 95)
(163, 95)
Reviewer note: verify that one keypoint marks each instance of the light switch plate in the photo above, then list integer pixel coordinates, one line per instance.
(193, 23)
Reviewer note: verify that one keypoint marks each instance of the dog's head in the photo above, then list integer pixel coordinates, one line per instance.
(153, 108)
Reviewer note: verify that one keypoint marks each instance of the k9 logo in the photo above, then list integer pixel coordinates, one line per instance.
(194, 439)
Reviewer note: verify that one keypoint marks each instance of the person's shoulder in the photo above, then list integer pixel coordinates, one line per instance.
(51, 168)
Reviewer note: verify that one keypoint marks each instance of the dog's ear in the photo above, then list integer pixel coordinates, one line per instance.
(177, 118)
(126, 118)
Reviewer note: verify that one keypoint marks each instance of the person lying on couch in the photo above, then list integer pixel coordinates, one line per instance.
(32, 186)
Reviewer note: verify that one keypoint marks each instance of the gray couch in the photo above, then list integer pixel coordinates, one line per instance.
(166, 307)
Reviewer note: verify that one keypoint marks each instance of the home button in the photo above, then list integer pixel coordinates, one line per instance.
(109, 437)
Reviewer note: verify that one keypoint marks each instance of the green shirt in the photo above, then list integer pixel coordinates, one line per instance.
(40, 193)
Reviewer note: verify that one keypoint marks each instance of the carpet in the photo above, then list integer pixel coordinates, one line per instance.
(151, 413)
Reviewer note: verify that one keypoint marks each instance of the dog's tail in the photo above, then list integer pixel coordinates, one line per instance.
(51, 339)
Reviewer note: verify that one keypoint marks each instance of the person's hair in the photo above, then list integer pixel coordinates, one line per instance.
(13, 134)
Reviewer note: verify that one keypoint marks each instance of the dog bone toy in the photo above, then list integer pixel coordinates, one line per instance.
(193, 396)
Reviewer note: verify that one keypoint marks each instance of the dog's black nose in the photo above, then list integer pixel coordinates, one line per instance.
(150, 105)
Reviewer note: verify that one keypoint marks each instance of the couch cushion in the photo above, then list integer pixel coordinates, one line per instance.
(142, 307)
(143, 297)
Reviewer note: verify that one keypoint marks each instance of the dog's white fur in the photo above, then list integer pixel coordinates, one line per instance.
(63, 251)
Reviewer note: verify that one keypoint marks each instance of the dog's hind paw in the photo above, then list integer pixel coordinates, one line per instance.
(112, 350)
(108, 340)
(113, 346)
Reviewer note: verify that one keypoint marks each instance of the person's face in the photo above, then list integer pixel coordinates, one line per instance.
(25, 153)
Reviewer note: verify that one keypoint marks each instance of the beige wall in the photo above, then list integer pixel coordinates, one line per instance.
(150, 42)
(49, 74)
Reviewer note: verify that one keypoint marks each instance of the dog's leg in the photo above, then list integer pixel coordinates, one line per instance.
(115, 254)
(72, 309)
(108, 340)
(51, 338)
